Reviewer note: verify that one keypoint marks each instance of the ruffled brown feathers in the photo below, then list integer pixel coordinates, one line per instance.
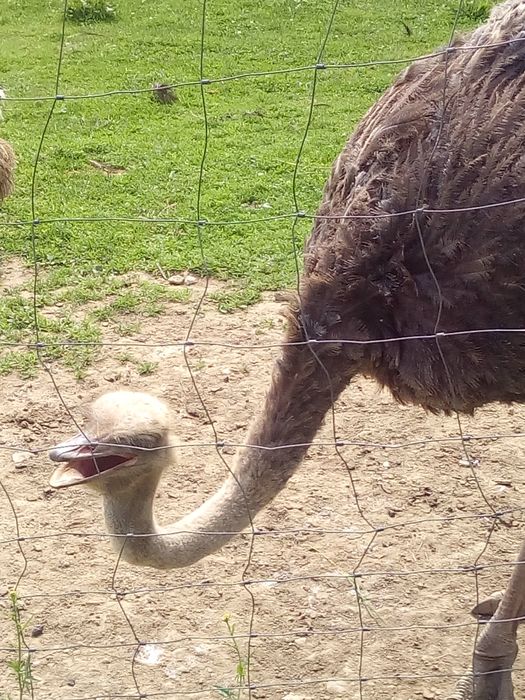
(7, 167)
(448, 135)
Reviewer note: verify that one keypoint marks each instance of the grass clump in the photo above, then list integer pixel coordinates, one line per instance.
(146, 368)
(241, 666)
(21, 664)
(230, 300)
(472, 11)
(87, 11)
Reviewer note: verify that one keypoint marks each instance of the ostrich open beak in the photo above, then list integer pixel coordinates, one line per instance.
(86, 460)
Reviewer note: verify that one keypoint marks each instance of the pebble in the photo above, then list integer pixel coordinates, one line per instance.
(469, 463)
(71, 682)
(21, 459)
(149, 655)
(201, 650)
(294, 696)
(37, 631)
(428, 694)
(71, 550)
(190, 279)
(176, 280)
(337, 688)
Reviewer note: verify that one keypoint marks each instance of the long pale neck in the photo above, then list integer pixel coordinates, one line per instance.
(299, 397)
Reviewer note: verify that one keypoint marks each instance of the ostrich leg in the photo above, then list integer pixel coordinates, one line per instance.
(490, 677)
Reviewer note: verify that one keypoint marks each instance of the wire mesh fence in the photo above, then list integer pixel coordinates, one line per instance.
(356, 581)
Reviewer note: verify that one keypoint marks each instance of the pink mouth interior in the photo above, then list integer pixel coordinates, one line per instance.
(91, 466)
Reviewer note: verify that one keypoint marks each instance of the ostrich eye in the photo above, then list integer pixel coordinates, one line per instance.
(144, 441)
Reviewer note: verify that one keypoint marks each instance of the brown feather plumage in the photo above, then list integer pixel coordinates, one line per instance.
(369, 279)
(7, 167)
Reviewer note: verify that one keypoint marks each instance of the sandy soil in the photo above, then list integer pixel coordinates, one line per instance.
(416, 588)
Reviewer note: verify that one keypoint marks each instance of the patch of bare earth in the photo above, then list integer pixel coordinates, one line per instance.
(14, 273)
(416, 586)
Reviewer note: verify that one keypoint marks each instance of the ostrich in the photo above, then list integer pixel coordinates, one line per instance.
(387, 259)
(7, 166)
(7, 162)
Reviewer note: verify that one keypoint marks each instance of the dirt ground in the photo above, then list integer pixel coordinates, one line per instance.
(416, 588)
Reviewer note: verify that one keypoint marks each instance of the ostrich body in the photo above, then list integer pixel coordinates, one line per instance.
(7, 162)
(448, 135)
(7, 166)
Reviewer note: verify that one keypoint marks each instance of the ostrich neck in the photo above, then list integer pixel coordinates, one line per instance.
(298, 399)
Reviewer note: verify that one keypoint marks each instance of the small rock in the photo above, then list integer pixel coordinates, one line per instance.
(190, 279)
(201, 650)
(71, 682)
(428, 694)
(21, 459)
(149, 655)
(71, 550)
(300, 641)
(176, 280)
(37, 631)
(3, 591)
(469, 463)
(37, 548)
(294, 696)
(337, 688)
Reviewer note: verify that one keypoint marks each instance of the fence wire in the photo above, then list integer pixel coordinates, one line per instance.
(491, 517)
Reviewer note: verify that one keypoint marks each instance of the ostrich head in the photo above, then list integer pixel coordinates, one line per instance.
(126, 437)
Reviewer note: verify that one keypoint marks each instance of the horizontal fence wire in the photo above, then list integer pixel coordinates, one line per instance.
(270, 73)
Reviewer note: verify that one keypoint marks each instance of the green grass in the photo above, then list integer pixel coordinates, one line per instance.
(62, 316)
(475, 11)
(21, 665)
(129, 156)
(241, 666)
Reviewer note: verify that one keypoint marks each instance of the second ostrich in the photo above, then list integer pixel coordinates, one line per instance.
(7, 163)
(416, 234)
